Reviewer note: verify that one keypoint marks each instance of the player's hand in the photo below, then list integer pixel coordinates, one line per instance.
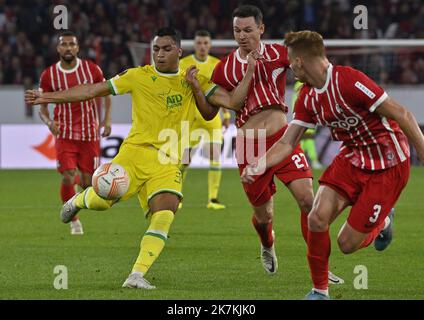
(33, 97)
(248, 174)
(191, 78)
(252, 59)
(107, 129)
(251, 171)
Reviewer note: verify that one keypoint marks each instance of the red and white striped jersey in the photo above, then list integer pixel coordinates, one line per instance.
(346, 104)
(268, 84)
(78, 120)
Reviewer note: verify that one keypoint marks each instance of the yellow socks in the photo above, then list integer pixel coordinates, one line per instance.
(153, 240)
(214, 179)
(88, 199)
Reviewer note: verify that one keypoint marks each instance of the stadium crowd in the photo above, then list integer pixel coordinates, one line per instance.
(28, 42)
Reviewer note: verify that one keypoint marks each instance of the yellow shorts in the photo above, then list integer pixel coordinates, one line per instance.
(148, 176)
(211, 131)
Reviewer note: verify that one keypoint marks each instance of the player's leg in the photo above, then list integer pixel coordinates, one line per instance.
(262, 221)
(214, 175)
(371, 217)
(328, 204)
(162, 210)
(302, 191)
(159, 197)
(67, 163)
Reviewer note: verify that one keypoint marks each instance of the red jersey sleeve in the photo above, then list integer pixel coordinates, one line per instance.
(45, 81)
(360, 90)
(302, 116)
(97, 73)
(283, 51)
(218, 77)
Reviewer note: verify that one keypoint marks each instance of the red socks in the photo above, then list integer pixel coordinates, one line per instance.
(66, 192)
(264, 231)
(319, 248)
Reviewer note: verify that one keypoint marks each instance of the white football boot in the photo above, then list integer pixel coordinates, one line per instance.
(137, 281)
(269, 258)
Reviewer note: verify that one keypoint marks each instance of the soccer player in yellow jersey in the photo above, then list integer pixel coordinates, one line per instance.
(163, 97)
(211, 131)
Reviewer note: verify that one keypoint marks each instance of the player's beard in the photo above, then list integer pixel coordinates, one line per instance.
(68, 58)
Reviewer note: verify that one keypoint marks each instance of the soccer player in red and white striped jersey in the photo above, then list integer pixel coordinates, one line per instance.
(264, 111)
(75, 125)
(372, 167)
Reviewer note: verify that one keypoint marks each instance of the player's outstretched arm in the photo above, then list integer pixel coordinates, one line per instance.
(78, 93)
(391, 109)
(277, 153)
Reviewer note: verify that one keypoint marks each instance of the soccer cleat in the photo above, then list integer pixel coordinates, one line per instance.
(69, 210)
(314, 295)
(269, 258)
(385, 236)
(76, 228)
(333, 279)
(215, 205)
(136, 280)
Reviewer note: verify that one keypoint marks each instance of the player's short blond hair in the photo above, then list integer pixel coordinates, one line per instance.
(305, 42)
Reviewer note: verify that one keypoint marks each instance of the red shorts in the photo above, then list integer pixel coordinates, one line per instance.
(292, 168)
(73, 154)
(372, 194)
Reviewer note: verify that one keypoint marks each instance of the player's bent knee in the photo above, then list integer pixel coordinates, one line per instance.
(305, 202)
(164, 201)
(316, 221)
(346, 246)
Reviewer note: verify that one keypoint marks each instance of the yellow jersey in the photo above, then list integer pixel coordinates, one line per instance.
(162, 103)
(205, 67)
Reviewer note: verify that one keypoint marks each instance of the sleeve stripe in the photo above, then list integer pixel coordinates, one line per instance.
(112, 87)
(304, 124)
(378, 102)
(211, 91)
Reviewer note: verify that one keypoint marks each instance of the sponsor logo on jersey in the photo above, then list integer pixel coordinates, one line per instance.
(174, 101)
(365, 90)
(346, 123)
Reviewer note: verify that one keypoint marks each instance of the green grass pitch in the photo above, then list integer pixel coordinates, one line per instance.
(210, 254)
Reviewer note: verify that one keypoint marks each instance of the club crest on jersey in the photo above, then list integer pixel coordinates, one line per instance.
(346, 123)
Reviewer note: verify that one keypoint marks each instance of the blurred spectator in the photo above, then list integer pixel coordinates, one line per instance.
(28, 39)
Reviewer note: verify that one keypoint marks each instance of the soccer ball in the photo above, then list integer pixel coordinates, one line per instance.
(110, 181)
